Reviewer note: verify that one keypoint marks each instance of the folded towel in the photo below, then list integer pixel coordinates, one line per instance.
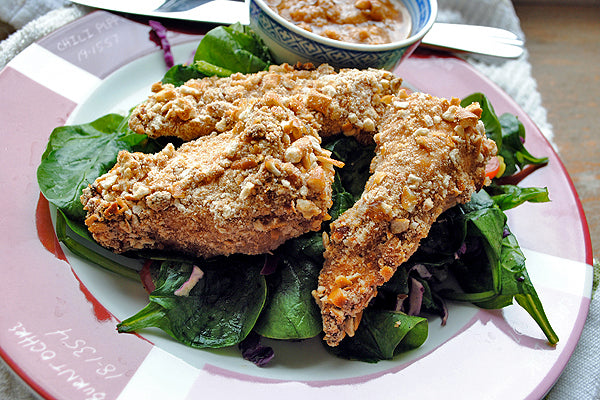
(20, 12)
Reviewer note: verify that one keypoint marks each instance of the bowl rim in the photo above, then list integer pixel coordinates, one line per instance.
(412, 39)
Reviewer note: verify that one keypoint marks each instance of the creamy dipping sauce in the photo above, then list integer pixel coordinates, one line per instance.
(353, 21)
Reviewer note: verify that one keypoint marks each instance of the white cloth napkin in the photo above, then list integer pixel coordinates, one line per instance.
(34, 19)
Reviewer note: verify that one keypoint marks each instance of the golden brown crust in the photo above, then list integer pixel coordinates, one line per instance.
(243, 191)
(255, 174)
(430, 155)
(331, 102)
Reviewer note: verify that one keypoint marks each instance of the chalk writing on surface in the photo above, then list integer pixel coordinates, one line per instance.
(91, 40)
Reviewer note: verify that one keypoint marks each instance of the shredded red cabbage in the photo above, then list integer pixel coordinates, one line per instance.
(462, 250)
(444, 307)
(146, 277)
(158, 34)
(270, 265)
(421, 270)
(400, 298)
(255, 352)
(415, 297)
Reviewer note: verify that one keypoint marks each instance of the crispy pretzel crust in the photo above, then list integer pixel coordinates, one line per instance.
(430, 155)
(254, 174)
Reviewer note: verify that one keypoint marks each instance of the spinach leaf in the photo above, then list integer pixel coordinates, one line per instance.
(477, 270)
(77, 154)
(444, 238)
(79, 241)
(235, 47)
(382, 335)
(357, 159)
(342, 200)
(517, 284)
(493, 128)
(223, 51)
(220, 310)
(290, 311)
(511, 196)
(513, 149)
(387, 294)
(350, 180)
(491, 267)
(508, 133)
(179, 74)
(429, 302)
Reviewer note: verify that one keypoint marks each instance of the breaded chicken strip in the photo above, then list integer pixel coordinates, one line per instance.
(348, 101)
(430, 155)
(246, 190)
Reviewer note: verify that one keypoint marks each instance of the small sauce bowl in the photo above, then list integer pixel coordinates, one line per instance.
(291, 44)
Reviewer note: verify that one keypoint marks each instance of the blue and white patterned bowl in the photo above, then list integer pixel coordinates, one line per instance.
(290, 43)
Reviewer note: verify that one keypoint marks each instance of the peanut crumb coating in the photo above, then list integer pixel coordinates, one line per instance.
(349, 101)
(246, 190)
(430, 155)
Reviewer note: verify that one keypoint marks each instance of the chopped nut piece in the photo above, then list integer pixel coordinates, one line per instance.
(399, 225)
(386, 273)
(378, 177)
(427, 204)
(307, 208)
(337, 297)
(408, 200)
(271, 166)
(342, 281)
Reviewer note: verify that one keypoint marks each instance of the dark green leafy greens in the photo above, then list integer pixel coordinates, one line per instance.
(290, 312)
(511, 196)
(504, 278)
(383, 335)
(180, 74)
(493, 128)
(357, 159)
(221, 52)
(76, 155)
(79, 241)
(513, 149)
(220, 309)
(508, 133)
(236, 48)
